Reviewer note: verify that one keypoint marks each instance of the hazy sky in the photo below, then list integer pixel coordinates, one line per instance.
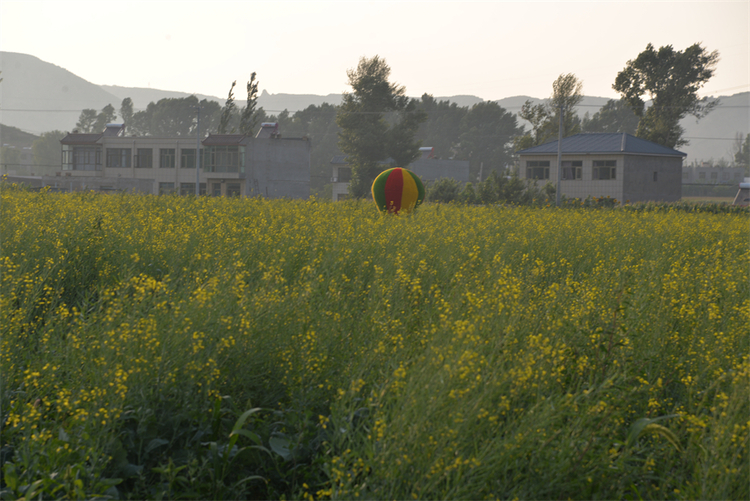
(490, 49)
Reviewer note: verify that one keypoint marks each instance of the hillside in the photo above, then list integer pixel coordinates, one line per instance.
(37, 96)
(15, 137)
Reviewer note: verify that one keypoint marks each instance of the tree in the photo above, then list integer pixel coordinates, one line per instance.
(377, 121)
(126, 111)
(227, 111)
(86, 121)
(486, 138)
(671, 79)
(89, 121)
(615, 116)
(176, 117)
(46, 149)
(249, 117)
(318, 124)
(442, 127)
(567, 93)
(106, 116)
(444, 190)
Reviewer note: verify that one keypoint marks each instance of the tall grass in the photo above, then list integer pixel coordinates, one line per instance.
(167, 347)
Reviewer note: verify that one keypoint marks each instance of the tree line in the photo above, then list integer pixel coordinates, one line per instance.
(377, 123)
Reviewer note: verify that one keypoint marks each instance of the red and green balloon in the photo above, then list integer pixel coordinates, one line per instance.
(398, 191)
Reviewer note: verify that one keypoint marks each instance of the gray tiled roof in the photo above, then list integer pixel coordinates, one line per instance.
(604, 143)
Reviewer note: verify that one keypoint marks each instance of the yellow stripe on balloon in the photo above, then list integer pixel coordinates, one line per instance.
(409, 192)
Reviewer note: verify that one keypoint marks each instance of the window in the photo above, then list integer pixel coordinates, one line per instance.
(82, 157)
(187, 158)
(225, 159)
(234, 189)
(145, 158)
(701, 175)
(572, 170)
(166, 158)
(118, 158)
(189, 188)
(604, 169)
(166, 188)
(216, 189)
(537, 169)
(655, 176)
(714, 175)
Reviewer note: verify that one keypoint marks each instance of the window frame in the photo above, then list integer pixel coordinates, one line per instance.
(537, 166)
(167, 158)
(600, 167)
(144, 156)
(572, 170)
(124, 157)
(165, 188)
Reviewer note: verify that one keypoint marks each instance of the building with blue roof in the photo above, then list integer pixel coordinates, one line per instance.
(615, 165)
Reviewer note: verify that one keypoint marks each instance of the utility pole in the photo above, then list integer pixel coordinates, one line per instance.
(559, 157)
(198, 153)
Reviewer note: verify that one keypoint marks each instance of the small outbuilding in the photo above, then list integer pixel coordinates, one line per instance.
(615, 165)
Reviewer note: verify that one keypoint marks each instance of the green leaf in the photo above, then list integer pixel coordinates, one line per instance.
(249, 434)
(648, 425)
(153, 444)
(239, 424)
(280, 446)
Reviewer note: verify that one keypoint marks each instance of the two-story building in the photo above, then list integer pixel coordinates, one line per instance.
(230, 164)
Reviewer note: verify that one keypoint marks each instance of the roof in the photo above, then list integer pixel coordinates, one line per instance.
(223, 139)
(73, 138)
(619, 143)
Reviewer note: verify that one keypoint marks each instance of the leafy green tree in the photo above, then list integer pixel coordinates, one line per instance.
(671, 79)
(469, 195)
(106, 116)
(444, 190)
(227, 112)
(318, 124)
(615, 116)
(442, 128)
(46, 149)
(176, 117)
(126, 111)
(89, 121)
(486, 138)
(538, 116)
(86, 121)
(367, 137)
(567, 93)
(249, 117)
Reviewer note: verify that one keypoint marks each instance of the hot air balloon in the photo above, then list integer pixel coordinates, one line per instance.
(397, 191)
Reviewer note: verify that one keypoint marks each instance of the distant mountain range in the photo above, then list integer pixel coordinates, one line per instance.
(36, 97)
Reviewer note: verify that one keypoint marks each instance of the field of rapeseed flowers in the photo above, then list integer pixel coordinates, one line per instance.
(167, 347)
